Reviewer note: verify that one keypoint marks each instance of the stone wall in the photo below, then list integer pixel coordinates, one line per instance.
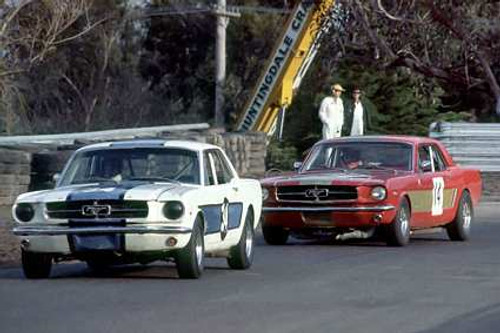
(32, 168)
(247, 152)
(15, 174)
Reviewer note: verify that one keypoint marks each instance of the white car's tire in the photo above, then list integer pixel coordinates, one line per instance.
(190, 259)
(36, 265)
(98, 266)
(241, 255)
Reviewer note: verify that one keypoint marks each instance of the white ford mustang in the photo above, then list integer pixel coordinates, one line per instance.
(141, 201)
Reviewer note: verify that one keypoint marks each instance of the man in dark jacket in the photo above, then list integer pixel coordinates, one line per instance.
(357, 117)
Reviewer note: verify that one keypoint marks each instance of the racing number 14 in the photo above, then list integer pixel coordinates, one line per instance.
(437, 196)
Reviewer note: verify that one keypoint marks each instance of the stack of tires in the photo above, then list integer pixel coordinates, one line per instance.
(257, 154)
(15, 174)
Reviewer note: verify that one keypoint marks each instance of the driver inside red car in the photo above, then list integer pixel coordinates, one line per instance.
(351, 159)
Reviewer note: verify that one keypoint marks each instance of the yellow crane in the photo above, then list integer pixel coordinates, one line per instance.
(286, 66)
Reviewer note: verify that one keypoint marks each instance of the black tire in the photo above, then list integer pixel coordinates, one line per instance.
(189, 260)
(241, 255)
(398, 232)
(36, 265)
(275, 235)
(98, 266)
(459, 228)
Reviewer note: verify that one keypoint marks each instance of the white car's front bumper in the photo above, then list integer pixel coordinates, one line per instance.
(138, 238)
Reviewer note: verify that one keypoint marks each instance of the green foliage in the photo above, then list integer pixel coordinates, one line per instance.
(280, 156)
(397, 101)
(178, 61)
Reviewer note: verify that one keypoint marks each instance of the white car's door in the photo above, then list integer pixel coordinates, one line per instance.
(222, 209)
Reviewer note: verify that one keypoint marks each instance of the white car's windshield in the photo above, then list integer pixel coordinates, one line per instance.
(133, 164)
(360, 156)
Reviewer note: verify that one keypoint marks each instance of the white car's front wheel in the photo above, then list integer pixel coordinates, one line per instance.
(241, 255)
(36, 265)
(189, 260)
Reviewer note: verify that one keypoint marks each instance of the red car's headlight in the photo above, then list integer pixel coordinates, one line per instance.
(378, 193)
(265, 194)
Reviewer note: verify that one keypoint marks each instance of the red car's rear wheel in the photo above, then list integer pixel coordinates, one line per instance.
(459, 228)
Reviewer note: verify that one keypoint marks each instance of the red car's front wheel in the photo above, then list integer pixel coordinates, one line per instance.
(275, 235)
(398, 232)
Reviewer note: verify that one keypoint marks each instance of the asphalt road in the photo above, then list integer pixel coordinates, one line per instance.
(432, 285)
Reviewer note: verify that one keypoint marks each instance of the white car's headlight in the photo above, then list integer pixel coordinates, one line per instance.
(265, 194)
(24, 212)
(379, 193)
(173, 210)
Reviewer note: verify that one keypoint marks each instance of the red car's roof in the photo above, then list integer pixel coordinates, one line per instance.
(413, 140)
(385, 138)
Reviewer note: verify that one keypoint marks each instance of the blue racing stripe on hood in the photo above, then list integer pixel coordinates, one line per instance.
(100, 192)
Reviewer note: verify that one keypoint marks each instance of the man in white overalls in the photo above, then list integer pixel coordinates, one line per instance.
(331, 113)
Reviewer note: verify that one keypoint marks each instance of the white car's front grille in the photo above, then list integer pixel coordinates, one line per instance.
(94, 209)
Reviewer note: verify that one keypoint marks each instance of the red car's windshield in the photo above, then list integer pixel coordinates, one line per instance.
(360, 155)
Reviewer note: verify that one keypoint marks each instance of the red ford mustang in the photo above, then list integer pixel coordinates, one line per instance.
(393, 184)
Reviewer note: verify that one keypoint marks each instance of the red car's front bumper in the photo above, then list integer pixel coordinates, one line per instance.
(327, 217)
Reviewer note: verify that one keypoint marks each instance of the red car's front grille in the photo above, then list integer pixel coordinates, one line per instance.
(316, 193)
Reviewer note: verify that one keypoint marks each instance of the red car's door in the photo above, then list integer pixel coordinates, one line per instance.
(450, 188)
(437, 189)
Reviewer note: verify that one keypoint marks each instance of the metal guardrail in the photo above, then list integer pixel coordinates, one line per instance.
(474, 145)
(117, 134)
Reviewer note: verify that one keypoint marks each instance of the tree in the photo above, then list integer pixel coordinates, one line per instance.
(32, 32)
(448, 41)
(72, 66)
(251, 39)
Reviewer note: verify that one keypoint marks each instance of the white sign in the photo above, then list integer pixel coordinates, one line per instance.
(437, 196)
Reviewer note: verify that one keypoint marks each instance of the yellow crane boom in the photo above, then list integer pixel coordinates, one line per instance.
(287, 65)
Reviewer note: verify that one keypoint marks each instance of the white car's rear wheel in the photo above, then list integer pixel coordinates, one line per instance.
(36, 265)
(241, 255)
(189, 260)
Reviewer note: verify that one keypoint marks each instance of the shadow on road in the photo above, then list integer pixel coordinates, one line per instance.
(78, 270)
(425, 238)
(487, 318)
